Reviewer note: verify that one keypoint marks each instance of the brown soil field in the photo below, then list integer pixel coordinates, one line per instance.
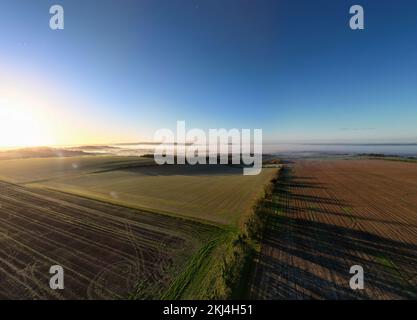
(328, 215)
(107, 251)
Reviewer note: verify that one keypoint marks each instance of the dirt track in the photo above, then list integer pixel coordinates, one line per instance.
(330, 215)
(107, 251)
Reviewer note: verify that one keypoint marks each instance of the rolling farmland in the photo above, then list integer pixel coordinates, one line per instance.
(121, 227)
(32, 170)
(330, 215)
(107, 251)
(219, 194)
(124, 228)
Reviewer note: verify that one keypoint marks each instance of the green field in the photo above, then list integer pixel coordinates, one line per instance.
(217, 193)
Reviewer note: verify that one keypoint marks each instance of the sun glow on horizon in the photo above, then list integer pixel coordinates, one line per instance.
(23, 122)
(20, 127)
(35, 112)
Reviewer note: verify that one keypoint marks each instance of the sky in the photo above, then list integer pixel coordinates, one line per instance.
(120, 70)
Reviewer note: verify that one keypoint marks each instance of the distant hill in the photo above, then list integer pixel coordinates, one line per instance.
(92, 148)
(40, 152)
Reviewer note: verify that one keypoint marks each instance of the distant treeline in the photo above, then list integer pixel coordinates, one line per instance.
(270, 159)
(382, 155)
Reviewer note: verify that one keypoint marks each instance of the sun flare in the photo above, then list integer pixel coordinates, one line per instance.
(21, 128)
(23, 120)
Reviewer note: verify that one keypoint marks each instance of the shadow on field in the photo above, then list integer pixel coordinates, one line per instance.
(185, 170)
(305, 259)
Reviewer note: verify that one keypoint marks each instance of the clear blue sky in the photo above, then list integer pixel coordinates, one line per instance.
(293, 68)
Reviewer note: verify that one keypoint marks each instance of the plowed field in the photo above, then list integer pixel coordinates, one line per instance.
(330, 215)
(107, 251)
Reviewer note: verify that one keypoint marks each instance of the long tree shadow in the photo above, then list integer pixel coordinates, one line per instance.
(303, 258)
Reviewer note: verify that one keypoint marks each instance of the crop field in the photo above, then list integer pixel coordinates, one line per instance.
(219, 194)
(327, 216)
(43, 169)
(107, 251)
